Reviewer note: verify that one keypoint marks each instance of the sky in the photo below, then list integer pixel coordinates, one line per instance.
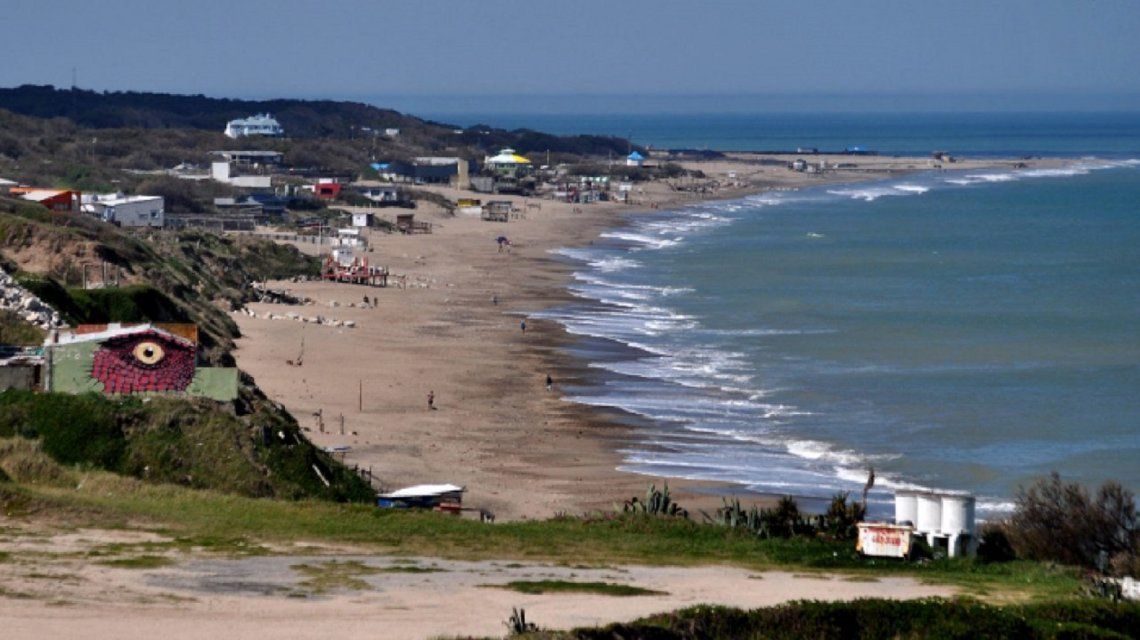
(1027, 51)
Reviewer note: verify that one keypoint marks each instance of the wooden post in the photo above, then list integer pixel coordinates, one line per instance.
(360, 397)
(342, 424)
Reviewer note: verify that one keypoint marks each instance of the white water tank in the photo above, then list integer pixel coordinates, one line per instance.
(929, 513)
(906, 507)
(957, 514)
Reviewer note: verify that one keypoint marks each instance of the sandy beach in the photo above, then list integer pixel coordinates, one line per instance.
(454, 330)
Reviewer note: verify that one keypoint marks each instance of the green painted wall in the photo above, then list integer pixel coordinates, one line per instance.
(71, 373)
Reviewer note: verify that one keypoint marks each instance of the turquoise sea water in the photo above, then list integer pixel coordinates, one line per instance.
(957, 330)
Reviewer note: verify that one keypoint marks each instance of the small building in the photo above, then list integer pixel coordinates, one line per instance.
(126, 211)
(634, 159)
(54, 199)
(362, 219)
(261, 124)
(349, 237)
(385, 196)
(327, 189)
(507, 163)
(497, 211)
(427, 170)
(406, 223)
(220, 172)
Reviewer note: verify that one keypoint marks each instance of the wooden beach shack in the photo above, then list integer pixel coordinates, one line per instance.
(497, 211)
(406, 223)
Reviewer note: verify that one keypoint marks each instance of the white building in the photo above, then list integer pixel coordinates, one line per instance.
(126, 211)
(220, 171)
(383, 195)
(261, 124)
(634, 159)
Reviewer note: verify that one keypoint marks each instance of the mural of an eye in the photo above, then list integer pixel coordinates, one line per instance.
(149, 353)
(145, 361)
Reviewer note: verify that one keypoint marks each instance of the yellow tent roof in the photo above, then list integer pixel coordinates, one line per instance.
(508, 158)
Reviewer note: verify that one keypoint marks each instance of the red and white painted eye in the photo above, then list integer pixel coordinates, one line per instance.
(148, 353)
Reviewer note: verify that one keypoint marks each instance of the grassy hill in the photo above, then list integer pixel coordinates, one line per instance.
(187, 276)
(255, 451)
(253, 447)
(301, 119)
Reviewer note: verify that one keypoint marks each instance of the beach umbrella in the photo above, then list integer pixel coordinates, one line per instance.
(502, 240)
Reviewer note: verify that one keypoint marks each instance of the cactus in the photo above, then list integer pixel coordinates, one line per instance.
(517, 624)
(656, 503)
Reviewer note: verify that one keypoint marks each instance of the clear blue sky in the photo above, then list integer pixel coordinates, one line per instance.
(352, 48)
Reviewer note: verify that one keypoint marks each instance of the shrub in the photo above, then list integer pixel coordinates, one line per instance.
(1061, 522)
(78, 429)
(842, 516)
(875, 618)
(994, 545)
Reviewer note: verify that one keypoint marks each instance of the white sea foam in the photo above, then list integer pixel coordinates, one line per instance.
(912, 188)
(611, 265)
(872, 193)
(991, 177)
(767, 332)
(643, 240)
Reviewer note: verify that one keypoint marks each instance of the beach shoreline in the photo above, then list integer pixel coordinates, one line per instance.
(521, 451)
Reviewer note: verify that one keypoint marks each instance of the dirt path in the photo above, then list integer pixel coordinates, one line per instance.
(52, 587)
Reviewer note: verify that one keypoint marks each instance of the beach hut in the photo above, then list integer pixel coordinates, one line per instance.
(497, 211)
(507, 163)
(634, 159)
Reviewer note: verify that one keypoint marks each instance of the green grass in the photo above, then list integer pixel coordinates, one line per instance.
(334, 576)
(536, 587)
(139, 562)
(875, 619)
(14, 330)
(411, 569)
(192, 442)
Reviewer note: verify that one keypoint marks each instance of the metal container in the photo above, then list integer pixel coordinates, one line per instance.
(906, 507)
(957, 514)
(929, 513)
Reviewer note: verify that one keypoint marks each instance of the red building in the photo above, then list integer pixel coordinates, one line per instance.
(327, 190)
(54, 199)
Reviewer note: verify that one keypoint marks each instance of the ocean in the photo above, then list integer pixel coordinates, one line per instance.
(954, 330)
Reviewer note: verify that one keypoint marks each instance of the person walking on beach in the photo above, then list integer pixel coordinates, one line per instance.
(549, 383)
(522, 325)
(431, 399)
